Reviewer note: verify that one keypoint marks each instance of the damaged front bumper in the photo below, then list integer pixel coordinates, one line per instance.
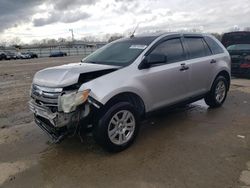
(59, 125)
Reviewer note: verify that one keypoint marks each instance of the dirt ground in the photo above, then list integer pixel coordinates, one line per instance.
(190, 147)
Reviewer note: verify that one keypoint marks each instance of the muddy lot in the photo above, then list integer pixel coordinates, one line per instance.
(193, 146)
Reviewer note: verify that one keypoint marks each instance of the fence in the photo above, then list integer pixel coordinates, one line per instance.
(45, 51)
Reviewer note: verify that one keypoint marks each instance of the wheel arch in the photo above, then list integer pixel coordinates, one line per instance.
(226, 75)
(130, 97)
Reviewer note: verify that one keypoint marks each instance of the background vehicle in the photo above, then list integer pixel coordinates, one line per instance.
(25, 56)
(20, 55)
(58, 54)
(2, 56)
(117, 85)
(238, 45)
(238, 37)
(32, 55)
(10, 55)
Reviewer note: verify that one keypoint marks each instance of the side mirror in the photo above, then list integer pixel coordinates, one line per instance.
(152, 59)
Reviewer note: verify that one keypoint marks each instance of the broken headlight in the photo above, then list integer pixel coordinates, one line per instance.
(69, 102)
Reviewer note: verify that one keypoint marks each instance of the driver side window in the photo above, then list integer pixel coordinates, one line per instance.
(172, 49)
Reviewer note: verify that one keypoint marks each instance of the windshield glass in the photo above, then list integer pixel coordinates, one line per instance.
(239, 47)
(121, 53)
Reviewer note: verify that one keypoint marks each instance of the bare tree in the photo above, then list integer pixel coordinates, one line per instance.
(114, 37)
(61, 40)
(52, 42)
(217, 35)
(35, 42)
(16, 41)
(247, 29)
(3, 44)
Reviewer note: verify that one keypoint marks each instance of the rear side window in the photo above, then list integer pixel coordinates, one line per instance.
(172, 49)
(197, 47)
(214, 46)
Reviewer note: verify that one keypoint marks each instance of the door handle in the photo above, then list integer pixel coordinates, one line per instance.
(213, 61)
(184, 67)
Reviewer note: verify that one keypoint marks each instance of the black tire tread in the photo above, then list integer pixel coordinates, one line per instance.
(101, 125)
(210, 97)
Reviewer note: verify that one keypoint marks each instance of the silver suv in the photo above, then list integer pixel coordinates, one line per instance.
(109, 91)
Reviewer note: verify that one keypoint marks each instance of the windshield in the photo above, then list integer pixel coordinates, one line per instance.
(121, 53)
(239, 47)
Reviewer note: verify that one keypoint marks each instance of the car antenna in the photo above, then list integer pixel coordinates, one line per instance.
(133, 34)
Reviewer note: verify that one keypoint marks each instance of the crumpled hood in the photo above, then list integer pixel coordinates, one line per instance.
(66, 75)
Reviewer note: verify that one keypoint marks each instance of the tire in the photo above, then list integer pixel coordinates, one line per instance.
(218, 93)
(114, 136)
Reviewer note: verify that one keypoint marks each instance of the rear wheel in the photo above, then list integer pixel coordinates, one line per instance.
(218, 93)
(117, 127)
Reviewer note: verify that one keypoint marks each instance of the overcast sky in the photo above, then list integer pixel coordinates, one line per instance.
(37, 19)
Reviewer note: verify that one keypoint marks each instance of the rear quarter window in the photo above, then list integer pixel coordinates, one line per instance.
(213, 45)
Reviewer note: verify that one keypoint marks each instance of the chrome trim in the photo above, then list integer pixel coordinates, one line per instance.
(47, 89)
(46, 96)
(43, 112)
(45, 100)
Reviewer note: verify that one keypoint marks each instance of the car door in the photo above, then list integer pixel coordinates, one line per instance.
(200, 63)
(166, 83)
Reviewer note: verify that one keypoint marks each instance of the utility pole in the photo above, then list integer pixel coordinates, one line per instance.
(72, 33)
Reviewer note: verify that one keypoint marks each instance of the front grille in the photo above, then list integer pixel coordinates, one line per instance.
(45, 96)
(56, 133)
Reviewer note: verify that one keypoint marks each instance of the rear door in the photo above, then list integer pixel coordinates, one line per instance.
(200, 63)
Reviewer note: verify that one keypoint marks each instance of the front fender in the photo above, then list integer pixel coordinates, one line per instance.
(110, 85)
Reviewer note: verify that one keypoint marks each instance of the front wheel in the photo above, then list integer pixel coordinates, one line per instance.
(117, 127)
(218, 93)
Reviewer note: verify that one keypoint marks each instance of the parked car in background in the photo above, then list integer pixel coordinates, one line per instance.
(237, 37)
(238, 46)
(2, 56)
(109, 91)
(10, 55)
(58, 54)
(32, 55)
(25, 56)
(18, 55)
(240, 56)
